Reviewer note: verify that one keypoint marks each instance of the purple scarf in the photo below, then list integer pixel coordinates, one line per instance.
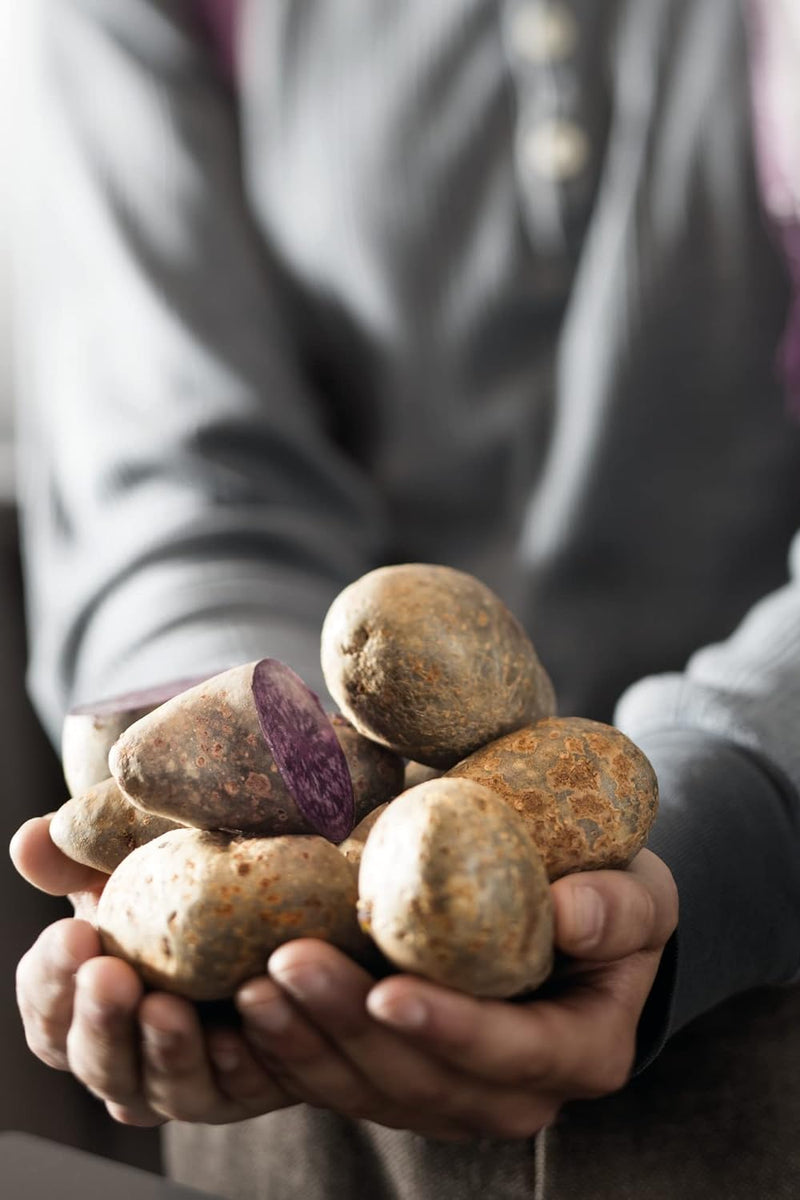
(774, 31)
(219, 19)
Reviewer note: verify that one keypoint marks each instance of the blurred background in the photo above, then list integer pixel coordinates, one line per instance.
(33, 1097)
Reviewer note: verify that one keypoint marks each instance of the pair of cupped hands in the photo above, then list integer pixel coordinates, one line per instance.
(317, 1029)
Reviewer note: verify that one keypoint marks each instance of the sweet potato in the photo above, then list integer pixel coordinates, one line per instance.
(90, 730)
(249, 750)
(587, 793)
(451, 887)
(428, 661)
(198, 913)
(101, 827)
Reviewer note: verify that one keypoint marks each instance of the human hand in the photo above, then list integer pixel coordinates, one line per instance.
(147, 1057)
(409, 1054)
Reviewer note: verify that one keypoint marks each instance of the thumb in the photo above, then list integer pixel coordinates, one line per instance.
(606, 915)
(40, 861)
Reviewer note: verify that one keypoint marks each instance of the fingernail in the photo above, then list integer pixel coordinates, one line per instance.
(588, 916)
(272, 1016)
(305, 983)
(405, 1012)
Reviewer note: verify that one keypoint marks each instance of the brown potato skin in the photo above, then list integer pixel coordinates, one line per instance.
(102, 827)
(86, 739)
(452, 887)
(197, 913)
(587, 793)
(416, 773)
(428, 661)
(201, 759)
(353, 846)
(377, 773)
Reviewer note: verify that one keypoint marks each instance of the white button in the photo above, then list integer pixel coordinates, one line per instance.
(556, 150)
(544, 32)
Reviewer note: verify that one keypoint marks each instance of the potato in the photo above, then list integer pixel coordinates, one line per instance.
(89, 731)
(249, 750)
(102, 827)
(452, 887)
(416, 773)
(198, 913)
(353, 847)
(428, 661)
(587, 793)
(376, 773)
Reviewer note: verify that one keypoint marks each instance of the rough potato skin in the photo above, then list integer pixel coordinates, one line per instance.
(353, 846)
(198, 913)
(587, 793)
(201, 759)
(377, 773)
(451, 887)
(417, 773)
(102, 827)
(89, 731)
(86, 739)
(428, 661)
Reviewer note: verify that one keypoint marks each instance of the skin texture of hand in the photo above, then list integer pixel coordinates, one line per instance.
(318, 1029)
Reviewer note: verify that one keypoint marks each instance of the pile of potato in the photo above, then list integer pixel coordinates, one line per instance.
(426, 819)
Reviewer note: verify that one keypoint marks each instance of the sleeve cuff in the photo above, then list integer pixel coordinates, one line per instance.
(729, 831)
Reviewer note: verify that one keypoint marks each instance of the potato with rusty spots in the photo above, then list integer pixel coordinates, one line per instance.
(428, 661)
(353, 847)
(416, 773)
(248, 750)
(377, 774)
(452, 887)
(101, 827)
(90, 730)
(587, 793)
(197, 913)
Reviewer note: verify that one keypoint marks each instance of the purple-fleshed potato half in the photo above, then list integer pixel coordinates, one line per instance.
(305, 748)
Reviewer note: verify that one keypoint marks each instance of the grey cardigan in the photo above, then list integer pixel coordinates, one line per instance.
(414, 290)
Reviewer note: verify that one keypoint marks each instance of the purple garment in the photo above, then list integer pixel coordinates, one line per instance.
(219, 18)
(774, 29)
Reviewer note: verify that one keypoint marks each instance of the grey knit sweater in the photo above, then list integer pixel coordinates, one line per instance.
(417, 290)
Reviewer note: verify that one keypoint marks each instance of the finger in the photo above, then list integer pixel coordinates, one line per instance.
(179, 1079)
(42, 864)
(580, 1045)
(602, 916)
(102, 1041)
(46, 987)
(417, 1090)
(240, 1077)
(305, 1063)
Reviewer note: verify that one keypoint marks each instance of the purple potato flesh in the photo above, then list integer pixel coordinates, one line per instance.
(305, 749)
(203, 759)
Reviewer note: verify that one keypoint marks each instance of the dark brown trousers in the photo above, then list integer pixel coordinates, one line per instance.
(716, 1117)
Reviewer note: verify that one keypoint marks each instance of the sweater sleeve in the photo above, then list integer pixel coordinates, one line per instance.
(723, 737)
(185, 504)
